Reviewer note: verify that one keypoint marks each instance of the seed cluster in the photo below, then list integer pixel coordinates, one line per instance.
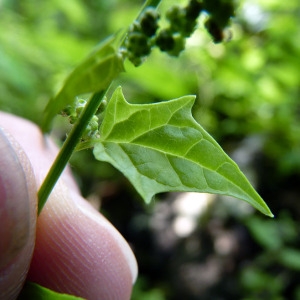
(145, 33)
(220, 13)
(140, 36)
(73, 112)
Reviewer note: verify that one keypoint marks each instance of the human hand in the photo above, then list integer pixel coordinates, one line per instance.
(70, 247)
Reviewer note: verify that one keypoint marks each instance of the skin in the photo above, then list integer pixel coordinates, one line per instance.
(70, 248)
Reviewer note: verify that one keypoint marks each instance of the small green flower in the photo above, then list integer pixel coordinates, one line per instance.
(165, 40)
(80, 104)
(138, 44)
(148, 21)
(179, 45)
(193, 10)
(214, 30)
(221, 11)
(183, 20)
(176, 17)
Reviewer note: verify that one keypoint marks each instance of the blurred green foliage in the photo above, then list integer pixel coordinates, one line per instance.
(276, 238)
(42, 42)
(248, 86)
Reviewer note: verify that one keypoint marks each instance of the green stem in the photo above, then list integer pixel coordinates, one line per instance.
(68, 148)
(73, 139)
(153, 3)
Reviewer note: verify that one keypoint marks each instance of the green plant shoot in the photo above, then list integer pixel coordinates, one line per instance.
(94, 74)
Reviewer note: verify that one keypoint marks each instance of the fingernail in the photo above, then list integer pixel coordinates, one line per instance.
(93, 214)
(14, 202)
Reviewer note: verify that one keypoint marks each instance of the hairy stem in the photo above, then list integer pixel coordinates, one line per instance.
(68, 148)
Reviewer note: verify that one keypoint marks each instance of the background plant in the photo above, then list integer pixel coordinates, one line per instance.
(262, 55)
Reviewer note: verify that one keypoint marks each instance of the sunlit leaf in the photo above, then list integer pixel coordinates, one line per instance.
(160, 147)
(34, 291)
(92, 75)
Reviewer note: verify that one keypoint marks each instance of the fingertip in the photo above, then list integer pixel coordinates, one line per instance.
(79, 252)
(99, 220)
(40, 149)
(17, 215)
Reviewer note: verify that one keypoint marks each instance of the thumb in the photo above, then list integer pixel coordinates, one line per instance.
(17, 214)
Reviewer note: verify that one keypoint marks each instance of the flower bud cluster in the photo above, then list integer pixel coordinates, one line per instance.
(182, 23)
(139, 40)
(73, 112)
(145, 34)
(220, 12)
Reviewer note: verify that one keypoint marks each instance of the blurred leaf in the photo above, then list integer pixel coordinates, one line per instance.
(92, 75)
(34, 291)
(260, 284)
(160, 147)
(273, 234)
(265, 233)
(142, 291)
(290, 258)
(161, 68)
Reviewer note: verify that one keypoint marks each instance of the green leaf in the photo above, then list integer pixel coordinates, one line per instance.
(94, 74)
(290, 258)
(160, 147)
(34, 291)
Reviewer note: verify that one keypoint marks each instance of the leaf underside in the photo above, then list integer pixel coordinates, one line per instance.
(94, 74)
(160, 147)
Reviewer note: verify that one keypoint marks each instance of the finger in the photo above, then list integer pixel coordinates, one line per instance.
(77, 251)
(17, 214)
(40, 150)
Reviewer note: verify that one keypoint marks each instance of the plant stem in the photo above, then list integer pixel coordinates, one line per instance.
(73, 139)
(153, 3)
(68, 148)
